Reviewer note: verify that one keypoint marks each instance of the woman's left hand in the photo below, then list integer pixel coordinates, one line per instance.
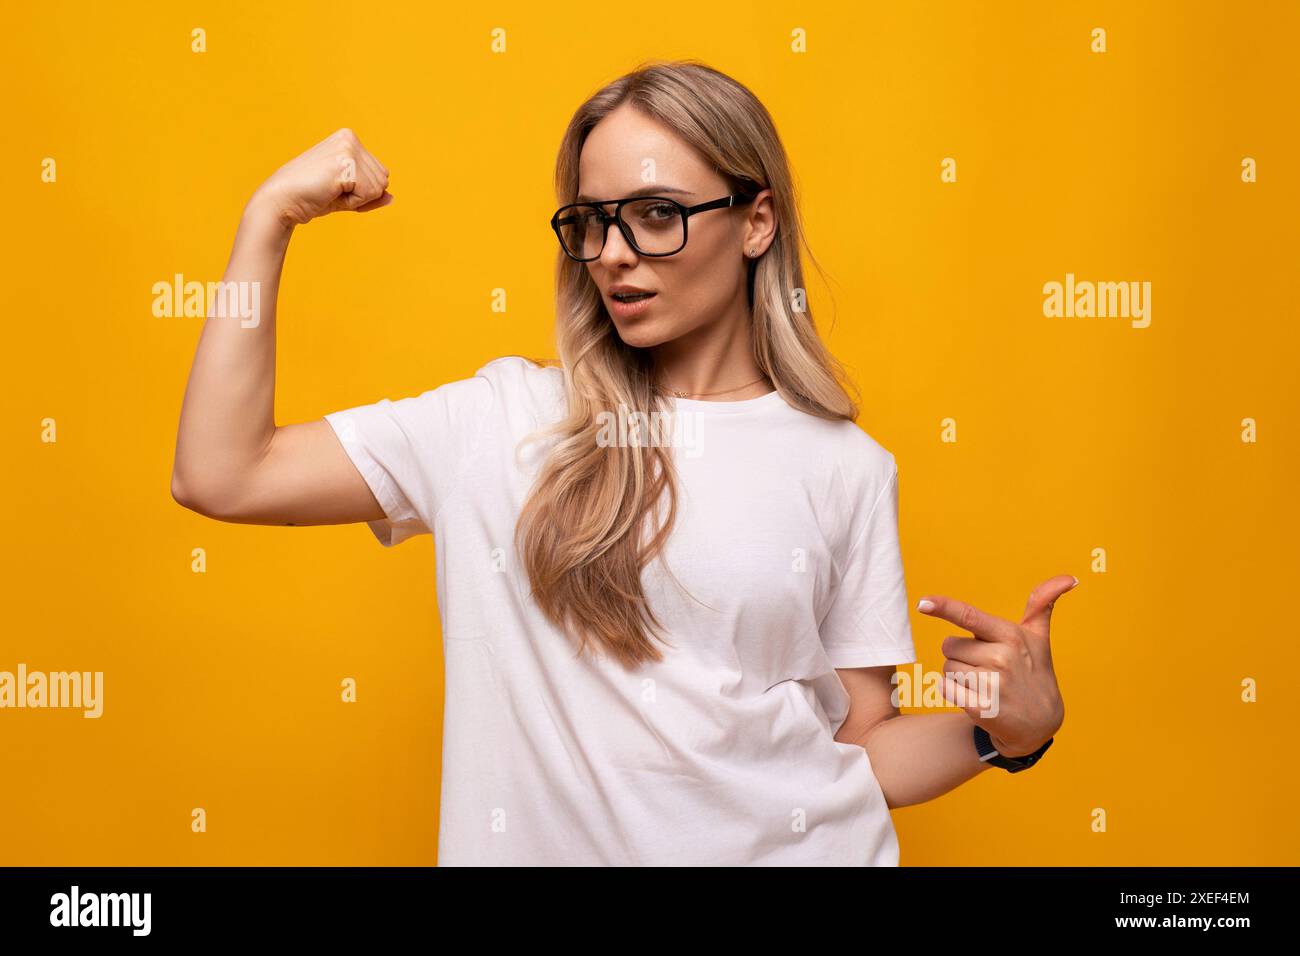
(1028, 709)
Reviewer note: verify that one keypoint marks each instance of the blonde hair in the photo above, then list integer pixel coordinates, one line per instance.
(588, 527)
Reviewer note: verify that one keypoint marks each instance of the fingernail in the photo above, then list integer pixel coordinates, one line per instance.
(924, 605)
(1076, 582)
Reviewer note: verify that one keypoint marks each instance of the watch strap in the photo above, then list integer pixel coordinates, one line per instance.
(988, 753)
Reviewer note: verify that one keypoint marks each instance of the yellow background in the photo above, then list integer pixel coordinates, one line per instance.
(222, 688)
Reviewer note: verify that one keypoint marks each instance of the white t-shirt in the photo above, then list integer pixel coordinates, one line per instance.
(722, 753)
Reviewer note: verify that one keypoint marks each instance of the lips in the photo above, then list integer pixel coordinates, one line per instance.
(629, 303)
(625, 292)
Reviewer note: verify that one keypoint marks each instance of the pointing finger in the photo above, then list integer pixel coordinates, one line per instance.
(984, 626)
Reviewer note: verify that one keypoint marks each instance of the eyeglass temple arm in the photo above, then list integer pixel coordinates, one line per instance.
(718, 204)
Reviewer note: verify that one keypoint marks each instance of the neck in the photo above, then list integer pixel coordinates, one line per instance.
(714, 362)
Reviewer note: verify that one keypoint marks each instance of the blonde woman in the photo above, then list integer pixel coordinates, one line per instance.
(668, 566)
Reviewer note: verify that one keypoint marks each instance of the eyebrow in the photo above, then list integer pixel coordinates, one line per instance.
(644, 191)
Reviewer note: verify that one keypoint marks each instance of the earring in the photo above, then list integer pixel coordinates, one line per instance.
(752, 253)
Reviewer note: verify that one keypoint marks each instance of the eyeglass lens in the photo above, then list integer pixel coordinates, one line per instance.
(657, 228)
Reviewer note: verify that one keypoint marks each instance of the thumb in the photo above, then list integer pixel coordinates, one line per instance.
(1038, 610)
(349, 198)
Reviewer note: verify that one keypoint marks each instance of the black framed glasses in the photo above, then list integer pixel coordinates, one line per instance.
(652, 225)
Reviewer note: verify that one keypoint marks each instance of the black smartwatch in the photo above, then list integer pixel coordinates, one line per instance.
(984, 746)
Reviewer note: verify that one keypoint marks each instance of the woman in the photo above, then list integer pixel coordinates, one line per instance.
(663, 645)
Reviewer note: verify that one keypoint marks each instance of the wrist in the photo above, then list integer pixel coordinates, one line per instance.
(263, 216)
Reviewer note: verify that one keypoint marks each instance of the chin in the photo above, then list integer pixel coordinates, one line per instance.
(645, 335)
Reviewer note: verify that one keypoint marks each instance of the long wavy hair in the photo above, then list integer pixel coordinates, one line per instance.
(595, 517)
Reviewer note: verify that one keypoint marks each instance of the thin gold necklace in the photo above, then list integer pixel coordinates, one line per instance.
(681, 394)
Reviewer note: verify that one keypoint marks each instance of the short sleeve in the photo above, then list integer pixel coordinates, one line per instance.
(867, 623)
(413, 452)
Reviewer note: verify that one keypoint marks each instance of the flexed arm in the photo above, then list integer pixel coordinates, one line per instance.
(232, 461)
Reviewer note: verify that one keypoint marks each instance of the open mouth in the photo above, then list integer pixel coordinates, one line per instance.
(632, 297)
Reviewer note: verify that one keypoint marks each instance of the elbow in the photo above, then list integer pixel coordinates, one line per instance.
(200, 498)
(183, 495)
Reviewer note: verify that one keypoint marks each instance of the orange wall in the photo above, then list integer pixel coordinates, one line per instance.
(1073, 434)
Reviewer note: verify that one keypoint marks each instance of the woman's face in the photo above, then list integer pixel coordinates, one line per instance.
(626, 153)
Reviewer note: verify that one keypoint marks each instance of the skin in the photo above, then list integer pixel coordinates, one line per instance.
(234, 463)
(697, 325)
(917, 757)
(698, 329)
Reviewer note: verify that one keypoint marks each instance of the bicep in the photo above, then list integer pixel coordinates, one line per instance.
(305, 478)
(870, 691)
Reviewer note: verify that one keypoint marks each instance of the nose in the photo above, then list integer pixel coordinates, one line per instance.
(617, 250)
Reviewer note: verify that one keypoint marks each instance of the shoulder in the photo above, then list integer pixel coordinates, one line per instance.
(860, 451)
(851, 452)
(521, 374)
(858, 469)
(522, 389)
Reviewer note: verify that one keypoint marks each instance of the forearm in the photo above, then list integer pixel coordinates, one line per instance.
(917, 757)
(228, 415)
